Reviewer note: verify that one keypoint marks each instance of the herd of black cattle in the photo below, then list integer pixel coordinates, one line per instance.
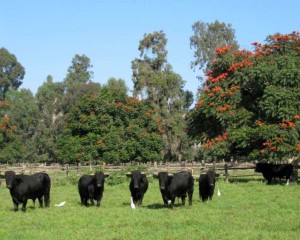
(91, 187)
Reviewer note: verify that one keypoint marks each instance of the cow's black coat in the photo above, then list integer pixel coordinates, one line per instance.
(207, 181)
(270, 171)
(138, 186)
(175, 185)
(91, 188)
(24, 187)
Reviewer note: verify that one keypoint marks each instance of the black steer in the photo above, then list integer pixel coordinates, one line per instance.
(175, 185)
(91, 188)
(270, 171)
(138, 186)
(24, 187)
(207, 182)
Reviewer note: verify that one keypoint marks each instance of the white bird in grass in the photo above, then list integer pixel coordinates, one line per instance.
(132, 203)
(60, 204)
(219, 192)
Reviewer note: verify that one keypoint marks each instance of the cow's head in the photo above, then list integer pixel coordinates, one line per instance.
(100, 178)
(211, 177)
(259, 167)
(11, 178)
(164, 179)
(137, 178)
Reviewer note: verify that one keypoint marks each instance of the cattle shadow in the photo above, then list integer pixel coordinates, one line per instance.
(244, 180)
(157, 206)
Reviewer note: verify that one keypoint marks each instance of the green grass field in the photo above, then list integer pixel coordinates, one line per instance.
(249, 210)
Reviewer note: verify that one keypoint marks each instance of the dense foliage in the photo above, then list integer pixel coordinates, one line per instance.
(100, 129)
(249, 105)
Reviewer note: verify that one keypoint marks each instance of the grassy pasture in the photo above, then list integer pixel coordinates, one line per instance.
(246, 210)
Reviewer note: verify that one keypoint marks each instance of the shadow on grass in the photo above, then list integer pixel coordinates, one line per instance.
(157, 206)
(244, 180)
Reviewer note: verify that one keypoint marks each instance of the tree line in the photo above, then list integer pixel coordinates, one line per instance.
(247, 105)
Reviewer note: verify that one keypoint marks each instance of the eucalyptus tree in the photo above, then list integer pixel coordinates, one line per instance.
(155, 80)
(115, 89)
(78, 82)
(79, 71)
(207, 37)
(11, 72)
(50, 103)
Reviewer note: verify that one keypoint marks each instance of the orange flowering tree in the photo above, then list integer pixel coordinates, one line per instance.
(8, 137)
(102, 129)
(250, 103)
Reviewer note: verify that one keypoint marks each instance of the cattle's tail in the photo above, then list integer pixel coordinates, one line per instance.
(47, 186)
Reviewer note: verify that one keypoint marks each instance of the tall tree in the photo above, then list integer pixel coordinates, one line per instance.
(50, 101)
(206, 38)
(24, 115)
(250, 103)
(11, 72)
(78, 82)
(155, 80)
(79, 71)
(115, 89)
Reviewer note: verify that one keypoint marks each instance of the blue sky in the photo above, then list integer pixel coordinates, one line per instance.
(45, 35)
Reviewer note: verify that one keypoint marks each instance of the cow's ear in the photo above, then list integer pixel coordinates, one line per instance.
(155, 175)
(128, 174)
(2, 176)
(106, 175)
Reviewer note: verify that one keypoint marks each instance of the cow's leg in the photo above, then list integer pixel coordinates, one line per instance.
(16, 205)
(47, 199)
(172, 202)
(141, 199)
(92, 201)
(33, 200)
(99, 201)
(24, 205)
(190, 196)
(81, 199)
(287, 181)
(183, 199)
(41, 201)
(165, 201)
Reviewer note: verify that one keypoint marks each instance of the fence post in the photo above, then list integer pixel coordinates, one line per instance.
(78, 168)
(67, 170)
(294, 176)
(226, 172)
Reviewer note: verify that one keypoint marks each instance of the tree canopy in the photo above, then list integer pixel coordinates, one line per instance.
(250, 102)
(206, 38)
(11, 72)
(100, 129)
